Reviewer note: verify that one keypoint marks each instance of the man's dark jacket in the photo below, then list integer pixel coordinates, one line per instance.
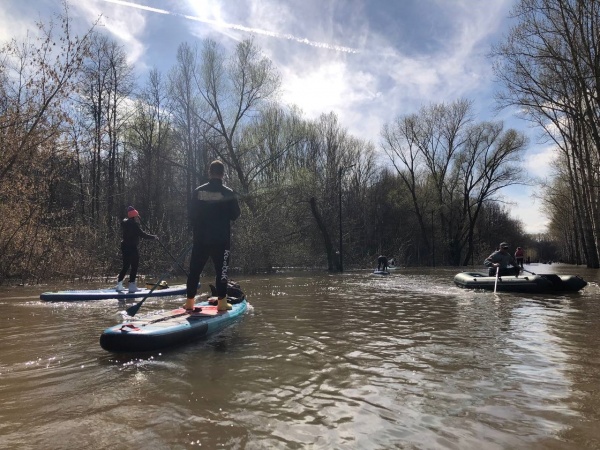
(212, 209)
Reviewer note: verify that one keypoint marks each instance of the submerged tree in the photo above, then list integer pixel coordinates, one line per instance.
(36, 78)
(185, 107)
(233, 90)
(104, 92)
(550, 67)
(452, 166)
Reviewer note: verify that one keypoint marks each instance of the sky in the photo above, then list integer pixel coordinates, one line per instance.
(368, 61)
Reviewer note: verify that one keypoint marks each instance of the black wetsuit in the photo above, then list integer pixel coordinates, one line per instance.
(503, 258)
(212, 209)
(129, 247)
(382, 263)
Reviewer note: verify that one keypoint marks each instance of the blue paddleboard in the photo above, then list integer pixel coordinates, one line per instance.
(168, 328)
(104, 294)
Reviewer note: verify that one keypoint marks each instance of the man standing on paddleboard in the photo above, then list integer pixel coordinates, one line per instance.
(213, 207)
(382, 263)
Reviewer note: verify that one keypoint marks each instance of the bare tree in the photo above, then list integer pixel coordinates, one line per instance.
(185, 106)
(105, 90)
(451, 166)
(150, 140)
(565, 226)
(234, 90)
(332, 158)
(36, 79)
(550, 68)
(489, 162)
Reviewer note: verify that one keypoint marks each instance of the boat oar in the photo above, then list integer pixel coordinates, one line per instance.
(496, 282)
(132, 310)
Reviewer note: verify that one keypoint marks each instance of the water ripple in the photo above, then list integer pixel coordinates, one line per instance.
(320, 361)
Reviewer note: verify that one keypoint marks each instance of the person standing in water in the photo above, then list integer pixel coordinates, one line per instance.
(520, 256)
(213, 207)
(382, 263)
(129, 248)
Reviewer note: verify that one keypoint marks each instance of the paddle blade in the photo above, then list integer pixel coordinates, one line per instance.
(132, 310)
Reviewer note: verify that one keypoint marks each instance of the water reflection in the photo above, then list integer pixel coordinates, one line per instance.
(320, 361)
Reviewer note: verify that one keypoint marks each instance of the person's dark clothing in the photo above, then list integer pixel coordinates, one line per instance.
(212, 209)
(131, 258)
(503, 258)
(520, 256)
(129, 251)
(220, 259)
(382, 263)
(520, 262)
(132, 232)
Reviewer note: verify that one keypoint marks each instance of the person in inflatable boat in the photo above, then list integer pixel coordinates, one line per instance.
(499, 260)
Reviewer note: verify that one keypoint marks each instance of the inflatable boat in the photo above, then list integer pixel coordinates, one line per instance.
(532, 283)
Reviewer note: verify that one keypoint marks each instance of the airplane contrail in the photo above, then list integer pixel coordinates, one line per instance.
(238, 27)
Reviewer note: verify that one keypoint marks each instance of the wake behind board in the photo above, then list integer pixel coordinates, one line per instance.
(109, 293)
(168, 328)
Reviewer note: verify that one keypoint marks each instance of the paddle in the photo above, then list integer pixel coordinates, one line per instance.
(166, 250)
(496, 283)
(173, 258)
(132, 310)
(551, 277)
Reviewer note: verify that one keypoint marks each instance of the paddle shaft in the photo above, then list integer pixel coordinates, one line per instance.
(168, 252)
(496, 282)
(173, 258)
(132, 310)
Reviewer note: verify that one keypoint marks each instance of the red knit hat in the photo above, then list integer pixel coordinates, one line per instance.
(132, 212)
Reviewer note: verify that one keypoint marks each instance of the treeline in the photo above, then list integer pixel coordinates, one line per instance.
(550, 65)
(81, 138)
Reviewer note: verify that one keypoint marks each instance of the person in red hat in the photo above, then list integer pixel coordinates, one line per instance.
(129, 248)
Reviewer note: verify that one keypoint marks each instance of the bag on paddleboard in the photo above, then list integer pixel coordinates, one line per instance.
(233, 290)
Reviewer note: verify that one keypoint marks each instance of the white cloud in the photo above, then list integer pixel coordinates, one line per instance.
(539, 162)
(326, 87)
(526, 207)
(411, 54)
(13, 25)
(126, 25)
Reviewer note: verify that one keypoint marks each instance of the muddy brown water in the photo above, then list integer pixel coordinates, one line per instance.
(320, 361)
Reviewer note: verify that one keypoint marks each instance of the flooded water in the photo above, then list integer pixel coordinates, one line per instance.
(320, 361)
